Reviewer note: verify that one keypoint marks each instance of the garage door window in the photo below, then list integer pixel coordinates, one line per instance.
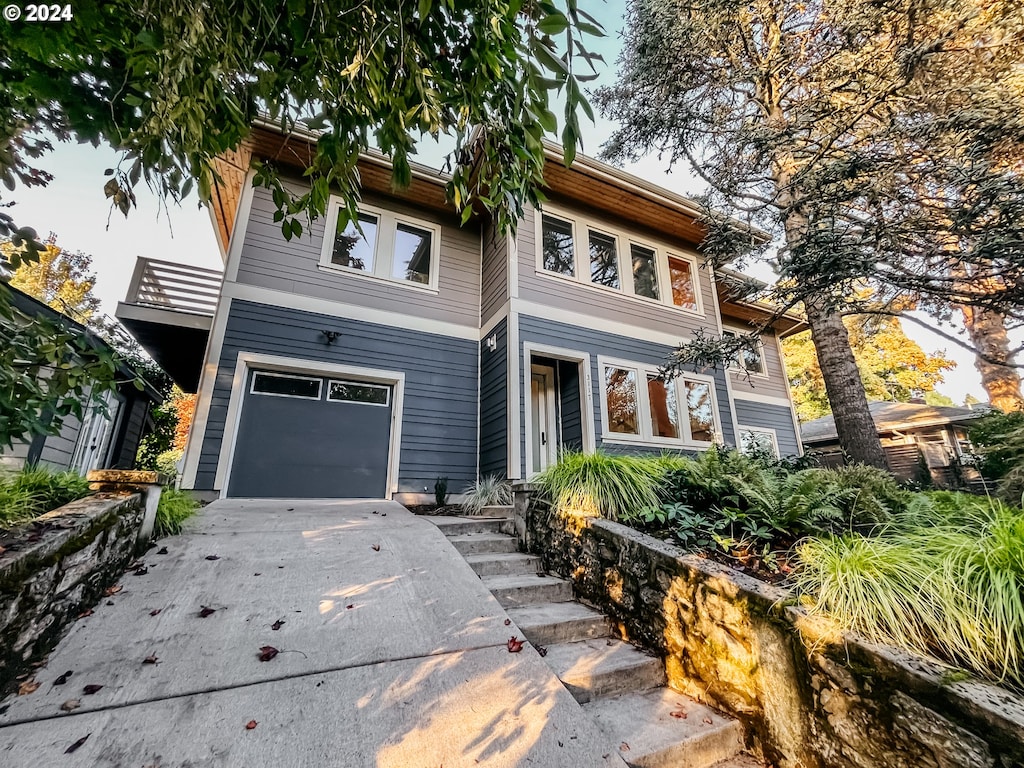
(282, 385)
(359, 392)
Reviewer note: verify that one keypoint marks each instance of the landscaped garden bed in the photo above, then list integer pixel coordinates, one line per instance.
(886, 607)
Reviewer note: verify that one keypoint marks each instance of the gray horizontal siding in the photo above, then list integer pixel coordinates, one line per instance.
(269, 261)
(494, 404)
(777, 417)
(587, 300)
(439, 424)
(494, 285)
(59, 449)
(776, 384)
(541, 331)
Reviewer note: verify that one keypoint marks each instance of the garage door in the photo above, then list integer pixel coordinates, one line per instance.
(312, 437)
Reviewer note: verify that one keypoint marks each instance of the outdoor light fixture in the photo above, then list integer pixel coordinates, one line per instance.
(331, 336)
(492, 342)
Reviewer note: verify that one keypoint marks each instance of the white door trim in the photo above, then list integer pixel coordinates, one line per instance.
(582, 360)
(551, 424)
(248, 360)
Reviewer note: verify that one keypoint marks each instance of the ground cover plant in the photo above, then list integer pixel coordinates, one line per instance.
(33, 491)
(935, 572)
(173, 509)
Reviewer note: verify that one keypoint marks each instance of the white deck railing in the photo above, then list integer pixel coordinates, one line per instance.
(176, 287)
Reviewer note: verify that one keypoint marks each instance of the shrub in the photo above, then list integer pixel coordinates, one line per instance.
(36, 490)
(945, 577)
(175, 507)
(614, 486)
(488, 491)
(167, 462)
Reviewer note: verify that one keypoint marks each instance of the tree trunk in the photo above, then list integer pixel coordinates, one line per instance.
(858, 435)
(987, 331)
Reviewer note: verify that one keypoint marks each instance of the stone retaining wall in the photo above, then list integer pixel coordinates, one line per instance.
(808, 698)
(82, 549)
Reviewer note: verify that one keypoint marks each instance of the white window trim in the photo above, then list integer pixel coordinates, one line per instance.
(384, 247)
(386, 387)
(247, 361)
(739, 370)
(581, 226)
(646, 437)
(275, 374)
(758, 431)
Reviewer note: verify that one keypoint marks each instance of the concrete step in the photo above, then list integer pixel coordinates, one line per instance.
(740, 761)
(457, 526)
(504, 564)
(600, 667)
(549, 623)
(523, 590)
(498, 510)
(477, 543)
(694, 737)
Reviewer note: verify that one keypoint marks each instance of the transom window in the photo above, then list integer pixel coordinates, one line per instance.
(586, 251)
(285, 385)
(640, 406)
(749, 359)
(384, 245)
(359, 392)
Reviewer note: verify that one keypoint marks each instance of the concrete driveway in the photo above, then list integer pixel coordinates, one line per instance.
(391, 653)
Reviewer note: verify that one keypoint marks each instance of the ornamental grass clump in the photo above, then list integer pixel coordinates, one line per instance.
(34, 491)
(603, 484)
(488, 491)
(173, 509)
(944, 578)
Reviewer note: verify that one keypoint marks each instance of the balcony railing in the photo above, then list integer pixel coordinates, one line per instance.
(176, 287)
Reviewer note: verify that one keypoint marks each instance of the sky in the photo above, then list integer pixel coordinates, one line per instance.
(73, 207)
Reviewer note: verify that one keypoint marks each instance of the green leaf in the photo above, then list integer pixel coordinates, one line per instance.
(553, 24)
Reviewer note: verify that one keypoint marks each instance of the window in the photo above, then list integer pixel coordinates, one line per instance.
(283, 385)
(559, 250)
(353, 249)
(358, 392)
(681, 276)
(384, 246)
(621, 395)
(645, 271)
(681, 412)
(604, 260)
(762, 441)
(749, 359)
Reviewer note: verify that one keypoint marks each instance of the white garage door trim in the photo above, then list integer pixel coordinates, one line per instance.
(248, 360)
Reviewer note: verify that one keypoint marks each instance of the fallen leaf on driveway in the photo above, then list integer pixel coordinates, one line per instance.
(77, 744)
(624, 747)
(63, 678)
(507, 622)
(515, 645)
(678, 714)
(250, 725)
(541, 650)
(212, 557)
(141, 571)
(277, 624)
(112, 590)
(267, 652)
(375, 547)
(350, 606)
(85, 614)
(70, 705)
(29, 686)
(89, 690)
(206, 611)
(155, 611)
(162, 551)
(707, 720)
(151, 659)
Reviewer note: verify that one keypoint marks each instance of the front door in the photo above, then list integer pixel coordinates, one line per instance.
(543, 440)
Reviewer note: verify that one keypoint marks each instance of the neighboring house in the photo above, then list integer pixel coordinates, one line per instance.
(102, 439)
(369, 365)
(916, 438)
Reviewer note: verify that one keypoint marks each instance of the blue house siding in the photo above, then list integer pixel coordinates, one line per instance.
(494, 403)
(595, 343)
(777, 417)
(439, 424)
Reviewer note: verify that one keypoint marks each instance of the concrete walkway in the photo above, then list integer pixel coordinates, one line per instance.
(392, 653)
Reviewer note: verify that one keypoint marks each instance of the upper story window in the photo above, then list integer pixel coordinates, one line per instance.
(758, 440)
(640, 406)
(385, 245)
(576, 248)
(749, 359)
